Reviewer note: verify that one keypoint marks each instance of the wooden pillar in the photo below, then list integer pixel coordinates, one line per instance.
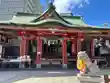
(78, 45)
(22, 52)
(92, 47)
(80, 39)
(74, 46)
(23, 47)
(27, 47)
(64, 53)
(39, 52)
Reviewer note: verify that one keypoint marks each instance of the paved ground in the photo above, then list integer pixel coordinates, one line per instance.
(40, 76)
(37, 76)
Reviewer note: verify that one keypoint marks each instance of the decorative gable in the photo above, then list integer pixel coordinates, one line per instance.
(50, 14)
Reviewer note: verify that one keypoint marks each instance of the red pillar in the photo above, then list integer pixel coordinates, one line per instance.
(27, 47)
(39, 52)
(74, 46)
(92, 47)
(22, 52)
(64, 53)
(78, 45)
(23, 47)
(80, 39)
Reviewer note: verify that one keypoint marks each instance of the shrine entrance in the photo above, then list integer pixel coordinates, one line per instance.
(52, 54)
(52, 49)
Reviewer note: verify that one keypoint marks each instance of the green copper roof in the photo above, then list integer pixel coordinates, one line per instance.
(55, 22)
(4, 22)
(42, 22)
(75, 20)
(27, 18)
(50, 13)
(23, 18)
(50, 16)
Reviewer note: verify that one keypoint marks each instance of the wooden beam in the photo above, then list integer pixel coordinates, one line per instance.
(20, 28)
(97, 36)
(33, 29)
(8, 34)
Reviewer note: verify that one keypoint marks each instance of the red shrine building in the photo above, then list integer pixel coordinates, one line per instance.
(51, 38)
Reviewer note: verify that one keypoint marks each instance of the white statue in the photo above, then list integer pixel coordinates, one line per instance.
(89, 72)
(86, 65)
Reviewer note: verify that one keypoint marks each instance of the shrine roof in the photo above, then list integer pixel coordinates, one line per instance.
(23, 18)
(27, 18)
(54, 22)
(50, 13)
(73, 20)
(50, 16)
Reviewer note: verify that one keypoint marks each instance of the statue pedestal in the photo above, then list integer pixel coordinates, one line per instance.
(89, 79)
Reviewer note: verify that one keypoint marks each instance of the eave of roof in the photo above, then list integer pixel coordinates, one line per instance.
(28, 18)
(53, 21)
(4, 22)
(75, 20)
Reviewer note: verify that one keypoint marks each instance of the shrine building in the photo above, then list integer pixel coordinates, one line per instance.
(51, 38)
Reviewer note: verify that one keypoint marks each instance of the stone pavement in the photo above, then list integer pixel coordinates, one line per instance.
(69, 79)
(40, 76)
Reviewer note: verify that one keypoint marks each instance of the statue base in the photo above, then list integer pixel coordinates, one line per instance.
(85, 78)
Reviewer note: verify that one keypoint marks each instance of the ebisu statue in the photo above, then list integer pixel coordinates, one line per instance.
(89, 72)
(85, 65)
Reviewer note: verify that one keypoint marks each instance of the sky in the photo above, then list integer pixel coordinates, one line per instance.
(94, 12)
